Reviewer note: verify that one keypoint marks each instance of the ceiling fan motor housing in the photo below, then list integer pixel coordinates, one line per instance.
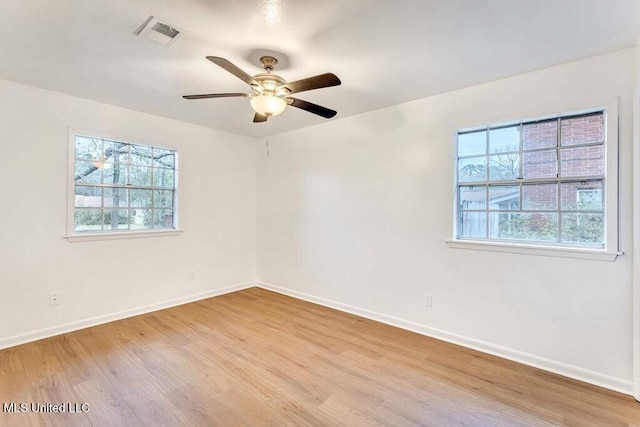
(270, 82)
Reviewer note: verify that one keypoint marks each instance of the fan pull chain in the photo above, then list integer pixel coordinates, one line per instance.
(268, 133)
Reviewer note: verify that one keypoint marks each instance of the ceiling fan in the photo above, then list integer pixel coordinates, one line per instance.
(270, 93)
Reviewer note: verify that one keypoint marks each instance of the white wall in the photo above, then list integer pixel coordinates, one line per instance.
(117, 277)
(355, 213)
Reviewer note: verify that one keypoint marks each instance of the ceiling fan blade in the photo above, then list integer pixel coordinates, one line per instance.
(216, 95)
(310, 83)
(259, 118)
(311, 107)
(223, 63)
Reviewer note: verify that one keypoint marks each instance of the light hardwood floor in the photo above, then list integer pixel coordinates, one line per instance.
(254, 357)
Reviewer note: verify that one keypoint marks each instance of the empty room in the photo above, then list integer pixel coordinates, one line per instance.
(320, 212)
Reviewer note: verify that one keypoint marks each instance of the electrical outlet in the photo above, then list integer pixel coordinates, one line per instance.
(192, 275)
(428, 301)
(54, 298)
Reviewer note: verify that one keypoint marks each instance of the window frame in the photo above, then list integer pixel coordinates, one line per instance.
(609, 251)
(76, 236)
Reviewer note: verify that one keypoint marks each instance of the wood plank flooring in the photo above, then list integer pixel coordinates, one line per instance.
(255, 357)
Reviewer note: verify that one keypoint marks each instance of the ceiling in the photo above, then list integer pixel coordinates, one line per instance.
(385, 52)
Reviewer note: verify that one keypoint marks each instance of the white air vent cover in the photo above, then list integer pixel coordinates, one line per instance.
(159, 32)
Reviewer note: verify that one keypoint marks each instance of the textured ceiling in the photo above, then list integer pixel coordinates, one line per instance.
(385, 52)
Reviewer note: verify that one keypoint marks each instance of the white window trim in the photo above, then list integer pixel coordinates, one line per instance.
(121, 235)
(71, 235)
(610, 251)
(552, 251)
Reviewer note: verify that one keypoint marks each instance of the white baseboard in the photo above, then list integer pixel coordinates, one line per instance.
(585, 375)
(98, 320)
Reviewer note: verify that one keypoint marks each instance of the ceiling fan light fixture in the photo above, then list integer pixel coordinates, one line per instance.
(267, 104)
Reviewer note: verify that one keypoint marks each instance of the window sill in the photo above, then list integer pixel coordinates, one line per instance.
(515, 248)
(121, 235)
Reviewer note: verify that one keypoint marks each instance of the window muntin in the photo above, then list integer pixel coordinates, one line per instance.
(122, 187)
(539, 182)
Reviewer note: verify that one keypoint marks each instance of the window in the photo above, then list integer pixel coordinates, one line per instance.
(541, 182)
(121, 187)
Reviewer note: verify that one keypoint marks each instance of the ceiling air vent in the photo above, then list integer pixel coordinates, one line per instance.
(159, 32)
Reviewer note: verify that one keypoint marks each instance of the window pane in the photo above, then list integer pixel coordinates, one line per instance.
(163, 198)
(163, 158)
(163, 178)
(523, 226)
(88, 197)
(586, 195)
(116, 197)
(115, 173)
(540, 197)
(87, 172)
(140, 155)
(582, 130)
(472, 224)
(583, 228)
(88, 148)
(504, 166)
(473, 197)
(140, 175)
(504, 197)
(162, 218)
(472, 143)
(88, 219)
(504, 139)
(540, 135)
(141, 198)
(141, 219)
(116, 152)
(540, 164)
(582, 161)
(116, 219)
